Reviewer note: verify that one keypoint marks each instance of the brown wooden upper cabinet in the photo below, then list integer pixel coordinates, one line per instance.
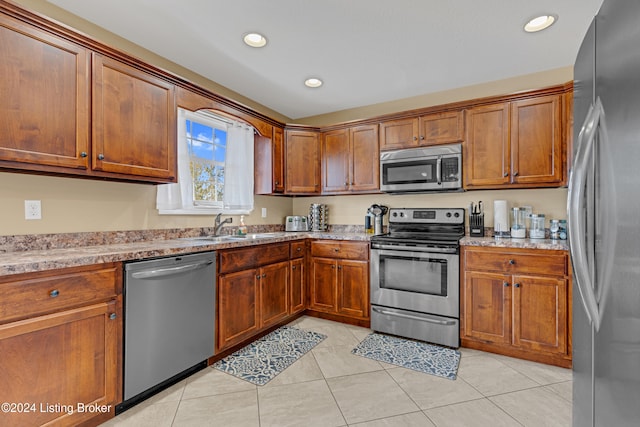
(50, 101)
(44, 107)
(302, 162)
(429, 129)
(269, 162)
(350, 160)
(515, 144)
(133, 122)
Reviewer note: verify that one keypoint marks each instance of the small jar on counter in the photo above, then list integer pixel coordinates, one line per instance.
(554, 229)
(562, 232)
(537, 226)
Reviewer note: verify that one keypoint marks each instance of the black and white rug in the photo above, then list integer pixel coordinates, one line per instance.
(263, 359)
(417, 355)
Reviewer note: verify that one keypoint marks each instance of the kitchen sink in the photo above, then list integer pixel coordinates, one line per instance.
(234, 237)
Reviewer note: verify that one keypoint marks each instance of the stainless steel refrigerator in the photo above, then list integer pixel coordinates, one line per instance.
(604, 220)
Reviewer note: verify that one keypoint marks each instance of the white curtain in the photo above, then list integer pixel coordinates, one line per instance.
(238, 170)
(178, 195)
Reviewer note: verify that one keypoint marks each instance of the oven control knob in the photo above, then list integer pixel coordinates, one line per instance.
(448, 214)
(395, 214)
(457, 214)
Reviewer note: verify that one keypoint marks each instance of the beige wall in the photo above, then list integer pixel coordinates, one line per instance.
(351, 209)
(78, 205)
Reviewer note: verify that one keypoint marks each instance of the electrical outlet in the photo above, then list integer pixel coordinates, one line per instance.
(32, 209)
(264, 212)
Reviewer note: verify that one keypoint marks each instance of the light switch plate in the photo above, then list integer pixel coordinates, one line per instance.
(32, 209)
(264, 212)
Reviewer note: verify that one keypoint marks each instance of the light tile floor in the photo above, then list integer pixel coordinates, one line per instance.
(329, 386)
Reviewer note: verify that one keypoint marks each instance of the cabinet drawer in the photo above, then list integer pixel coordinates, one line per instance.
(515, 262)
(297, 249)
(340, 249)
(245, 258)
(29, 295)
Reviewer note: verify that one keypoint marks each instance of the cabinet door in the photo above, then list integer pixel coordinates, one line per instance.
(442, 128)
(365, 159)
(487, 306)
(278, 160)
(44, 101)
(536, 140)
(302, 162)
(353, 288)
(274, 297)
(323, 284)
(540, 309)
(401, 133)
(238, 311)
(487, 156)
(68, 358)
(134, 122)
(335, 161)
(262, 165)
(297, 292)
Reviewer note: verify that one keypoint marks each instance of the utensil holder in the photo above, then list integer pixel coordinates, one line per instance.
(476, 225)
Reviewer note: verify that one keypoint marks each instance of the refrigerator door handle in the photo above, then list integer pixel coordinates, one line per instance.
(575, 217)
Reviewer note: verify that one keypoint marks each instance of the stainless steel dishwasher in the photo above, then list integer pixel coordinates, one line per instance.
(169, 307)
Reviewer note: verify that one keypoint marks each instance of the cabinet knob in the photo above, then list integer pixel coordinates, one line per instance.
(264, 275)
(113, 316)
(100, 156)
(333, 266)
(339, 267)
(258, 276)
(512, 262)
(54, 293)
(83, 154)
(346, 184)
(298, 249)
(415, 138)
(421, 137)
(505, 175)
(337, 249)
(506, 284)
(293, 267)
(277, 182)
(515, 173)
(517, 285)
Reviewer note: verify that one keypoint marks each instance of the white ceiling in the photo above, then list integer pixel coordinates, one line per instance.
(366, 51)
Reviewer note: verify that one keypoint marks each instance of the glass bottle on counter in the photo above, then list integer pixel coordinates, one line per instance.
(537, 226)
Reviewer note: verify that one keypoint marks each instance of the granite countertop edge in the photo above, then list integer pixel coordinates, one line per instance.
(502, 242)
(50, 259)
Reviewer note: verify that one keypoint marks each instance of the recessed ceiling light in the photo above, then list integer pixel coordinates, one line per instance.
(313, 82)
(539, 23)
(255, 40)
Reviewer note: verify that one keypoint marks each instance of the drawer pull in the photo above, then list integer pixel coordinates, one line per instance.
(113, 316)
(512, 262)
(337, 249)
(517, 285)
(54, 293)
(506, 284)
(298, 249)
(258, 276)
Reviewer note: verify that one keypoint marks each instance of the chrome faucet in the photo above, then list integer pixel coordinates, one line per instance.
(220, 223)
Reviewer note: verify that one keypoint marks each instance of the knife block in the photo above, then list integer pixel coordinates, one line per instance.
(476, 225)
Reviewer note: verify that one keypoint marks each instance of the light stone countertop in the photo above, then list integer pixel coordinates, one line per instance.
(504, 242)
(48, 259)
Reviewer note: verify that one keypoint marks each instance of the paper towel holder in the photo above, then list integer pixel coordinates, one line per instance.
(500, 219)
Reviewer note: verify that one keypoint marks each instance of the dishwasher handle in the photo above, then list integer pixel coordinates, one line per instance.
(168, 271)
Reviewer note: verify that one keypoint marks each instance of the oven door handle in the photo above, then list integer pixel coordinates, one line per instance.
(420, 318)
(421, 249)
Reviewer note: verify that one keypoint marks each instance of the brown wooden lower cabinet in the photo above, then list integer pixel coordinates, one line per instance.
(253, 292)
(62, 368)
(298, 278)
(339, 279)
(517, 302)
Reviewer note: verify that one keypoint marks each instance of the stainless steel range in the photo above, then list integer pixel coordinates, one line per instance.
(415, 286)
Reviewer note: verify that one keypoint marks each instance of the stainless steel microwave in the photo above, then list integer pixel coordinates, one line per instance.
(425, 169)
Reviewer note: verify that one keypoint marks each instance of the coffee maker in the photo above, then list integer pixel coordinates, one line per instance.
(378, 212)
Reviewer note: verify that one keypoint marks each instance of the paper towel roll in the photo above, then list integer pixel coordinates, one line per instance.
(500, 218)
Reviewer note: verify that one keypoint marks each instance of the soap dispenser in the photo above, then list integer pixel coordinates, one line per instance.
(242, 228)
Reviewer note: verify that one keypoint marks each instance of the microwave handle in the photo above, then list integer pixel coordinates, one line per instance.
(439, 170)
